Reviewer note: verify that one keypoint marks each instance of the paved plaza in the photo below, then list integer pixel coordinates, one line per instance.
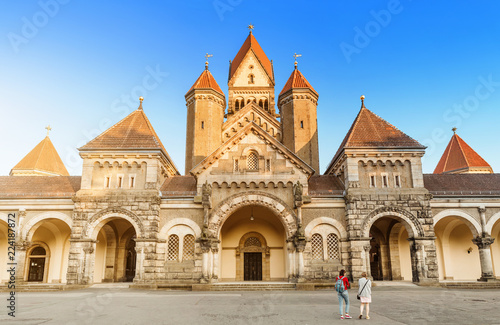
(391, 305)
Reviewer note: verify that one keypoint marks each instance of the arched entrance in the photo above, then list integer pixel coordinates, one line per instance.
(389, 252)
(4, 276)
(495, 248)
(47, 256)
(455, 249)
(115, 255)
(252, 245)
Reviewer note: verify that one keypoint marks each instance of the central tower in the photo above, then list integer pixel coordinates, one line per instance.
(251, 78)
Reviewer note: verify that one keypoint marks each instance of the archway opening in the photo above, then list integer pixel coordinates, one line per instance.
(47, 257)
(115, 255)
(389, 254)
(252, 245)
(455, 249)
(4, 276)
(495, 249)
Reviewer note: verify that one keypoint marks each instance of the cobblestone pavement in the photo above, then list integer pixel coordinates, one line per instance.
(391, 305)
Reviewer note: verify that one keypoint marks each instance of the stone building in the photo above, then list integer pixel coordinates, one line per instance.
(252, 205)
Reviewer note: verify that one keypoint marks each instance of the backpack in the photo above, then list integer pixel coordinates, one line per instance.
(339, 285)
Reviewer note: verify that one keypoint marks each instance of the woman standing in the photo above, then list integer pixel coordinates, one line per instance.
(365, 294)
(341, 286)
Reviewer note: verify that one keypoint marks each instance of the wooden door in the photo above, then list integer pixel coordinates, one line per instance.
(253, 267)
(37, 267)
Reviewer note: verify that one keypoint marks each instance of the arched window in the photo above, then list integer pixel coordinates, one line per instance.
(37, 264)
(253, 161)
(317, 247)
(266, 105)
(173, 248)
(251, 79)
(237, 105)
(261, 103)
(188, 248)
(252, 242)
(332, 242)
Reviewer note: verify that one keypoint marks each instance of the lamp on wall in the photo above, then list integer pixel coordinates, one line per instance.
(469, 250)
(251, 215)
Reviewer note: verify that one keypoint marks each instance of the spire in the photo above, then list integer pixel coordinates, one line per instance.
(297, 80)
(362, 101)
(251, 44)
(43, 160)
(459, 157)
(140, 104)
(206, 81)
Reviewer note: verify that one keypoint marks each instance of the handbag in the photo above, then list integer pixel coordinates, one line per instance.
(357, 296)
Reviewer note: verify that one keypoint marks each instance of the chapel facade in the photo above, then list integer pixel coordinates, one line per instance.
(252, 204)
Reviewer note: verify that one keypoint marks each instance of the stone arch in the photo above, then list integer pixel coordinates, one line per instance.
(489, 225)
(95, 223)
(228, 206)
(332, 222)
(179, 221)
(469, 220)
(411, 223)
(29, 227)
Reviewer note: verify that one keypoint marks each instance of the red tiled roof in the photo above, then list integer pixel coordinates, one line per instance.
(133, 132)
(458, 155)
(372, 131)
(463, 184)
(206, 81)
(43, 158)
(296, 80)
(325, 185)
(251, 44)
(179, 186)
(38, 186)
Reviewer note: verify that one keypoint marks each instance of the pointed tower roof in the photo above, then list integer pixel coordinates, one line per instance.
(459, 157)
(371, 131)
(206, 81)
(133, 132)
(42, 160)
(297, 80)
(251, 44)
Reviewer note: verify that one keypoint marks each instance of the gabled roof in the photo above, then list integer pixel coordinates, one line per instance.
(206, 81)
(297, 80)
(43, 159)
(133, 132)
(460, 156)
(24, 187)
(371, 131)
(251, 44)
(252, 127)
(463, 184)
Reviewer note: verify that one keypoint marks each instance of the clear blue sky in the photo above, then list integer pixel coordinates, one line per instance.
(424, 66)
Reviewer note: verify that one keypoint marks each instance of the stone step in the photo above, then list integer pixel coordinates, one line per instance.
(253, 287)
(471, 285)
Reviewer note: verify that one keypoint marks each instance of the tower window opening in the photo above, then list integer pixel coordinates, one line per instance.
(268, 165)
(237, 105)
(132, 181)
(301, 124)
(106, 182)
(372, 181)
(251, 79)
(261, 103)
(120, 181)
(236, 165)
(384, 181)
(397, 181)
(266, 105)
(202, 124)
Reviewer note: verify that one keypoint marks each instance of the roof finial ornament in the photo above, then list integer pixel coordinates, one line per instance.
(454, 129)
(48, 128)
(140, 105)
(362, 101)
(250, 28)
(295, 57)
(206, 58)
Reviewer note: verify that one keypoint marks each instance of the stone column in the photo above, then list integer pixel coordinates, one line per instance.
(81, 261)
(215, 253)
(204, 270)
(291, 260)
(139, 261)
(484, 243)
(22, 265)
(482, 214)
(367, 261)
(300, 266)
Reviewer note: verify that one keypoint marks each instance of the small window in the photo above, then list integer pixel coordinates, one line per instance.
(173, 248)
(202, 124)
(268, 165)
(188, 248)
(120, 181)
(317, 247)
(384, 181)
(251, 79)
(397, 181)
(132, 181)
(372, 181)
(333, 247)
(106, 182)
(236, 166)
(301, 124)
(253, 161)
(266, 105)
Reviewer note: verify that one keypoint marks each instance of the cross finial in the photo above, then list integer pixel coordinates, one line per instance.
(48, 128)
(295, 56)
(362, 101)
(250, 28)
(140, 100)
(454, 130)
(206, 58)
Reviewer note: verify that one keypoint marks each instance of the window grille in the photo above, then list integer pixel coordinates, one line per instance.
(317, 247)
(188, 248)
(253, 161)
(252, 242)
(333, 247)
(236, 165)
(173, 248)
